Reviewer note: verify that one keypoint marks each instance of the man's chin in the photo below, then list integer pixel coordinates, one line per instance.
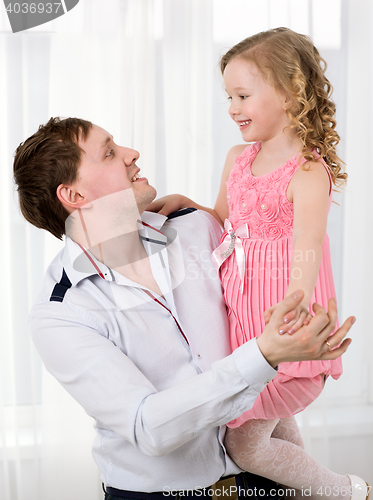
(147, 199)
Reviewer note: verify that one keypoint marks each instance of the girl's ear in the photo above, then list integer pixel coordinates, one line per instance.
(70, 198)
(288, 101)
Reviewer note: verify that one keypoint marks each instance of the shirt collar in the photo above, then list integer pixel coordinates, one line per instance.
(153, 219)
(80, 263)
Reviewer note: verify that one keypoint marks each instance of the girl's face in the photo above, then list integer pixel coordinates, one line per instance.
(256, 107)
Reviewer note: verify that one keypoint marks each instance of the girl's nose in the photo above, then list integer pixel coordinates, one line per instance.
(233, 109)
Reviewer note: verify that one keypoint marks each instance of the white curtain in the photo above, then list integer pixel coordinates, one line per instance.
(146, 70)
(339, 427)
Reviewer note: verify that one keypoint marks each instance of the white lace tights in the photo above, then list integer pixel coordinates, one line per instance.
(275, 449)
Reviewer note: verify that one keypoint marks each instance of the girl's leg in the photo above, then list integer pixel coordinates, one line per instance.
(287, 429)
(254, 449)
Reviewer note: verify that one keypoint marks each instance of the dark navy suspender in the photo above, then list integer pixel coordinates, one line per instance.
(60, 288)
(183, 211)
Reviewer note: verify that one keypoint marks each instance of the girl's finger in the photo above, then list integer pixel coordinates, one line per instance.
(287, 326)
(298, 324)
(290, 316)
(307, 320)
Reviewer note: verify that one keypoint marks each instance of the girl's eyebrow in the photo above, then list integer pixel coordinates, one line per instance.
(244, 89)
(240, 89)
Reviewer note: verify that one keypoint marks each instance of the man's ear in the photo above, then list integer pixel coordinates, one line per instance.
(70, 198)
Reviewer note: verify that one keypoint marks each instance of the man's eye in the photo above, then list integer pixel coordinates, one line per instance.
(110, 153)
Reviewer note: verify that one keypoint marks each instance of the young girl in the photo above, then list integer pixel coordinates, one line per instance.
(274, 197)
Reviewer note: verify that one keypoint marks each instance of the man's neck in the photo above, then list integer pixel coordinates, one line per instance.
(124, 253)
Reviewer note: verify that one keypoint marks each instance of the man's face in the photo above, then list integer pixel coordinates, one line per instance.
(107, 168)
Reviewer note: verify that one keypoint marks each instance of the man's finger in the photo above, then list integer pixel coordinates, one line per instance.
(332, 308)
(267, 315)
(340, 334)
(287, 305)
(323, 322)
(338, 351)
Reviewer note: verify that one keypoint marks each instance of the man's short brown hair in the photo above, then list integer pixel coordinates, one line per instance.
(48, 158)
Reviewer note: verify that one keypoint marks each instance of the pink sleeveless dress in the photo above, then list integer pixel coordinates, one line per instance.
(254, 270)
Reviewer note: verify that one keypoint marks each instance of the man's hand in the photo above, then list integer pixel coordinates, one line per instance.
(309, 342)
(293, 320)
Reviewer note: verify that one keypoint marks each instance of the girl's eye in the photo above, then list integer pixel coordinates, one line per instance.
(243, 97)
(229, 98)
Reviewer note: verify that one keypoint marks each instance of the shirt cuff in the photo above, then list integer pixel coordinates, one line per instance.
(253, 366)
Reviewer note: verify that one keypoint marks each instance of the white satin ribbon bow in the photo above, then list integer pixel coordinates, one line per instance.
(233, 243)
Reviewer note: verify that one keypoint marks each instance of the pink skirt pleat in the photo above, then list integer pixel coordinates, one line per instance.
(266, 280)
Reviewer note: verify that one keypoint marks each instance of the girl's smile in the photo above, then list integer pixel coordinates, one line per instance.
(256, 106)
(243, 124)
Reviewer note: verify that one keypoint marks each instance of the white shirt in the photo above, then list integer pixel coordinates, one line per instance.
(156, 375)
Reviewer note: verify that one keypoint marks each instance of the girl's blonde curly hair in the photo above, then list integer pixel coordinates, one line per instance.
(291, 64)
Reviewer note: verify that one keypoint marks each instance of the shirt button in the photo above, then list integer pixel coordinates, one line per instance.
(267, 382)
(199, 356)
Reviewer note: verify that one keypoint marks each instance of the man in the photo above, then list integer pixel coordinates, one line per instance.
(131, 319)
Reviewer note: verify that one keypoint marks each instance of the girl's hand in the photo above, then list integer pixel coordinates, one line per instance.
(173, 202)
(301, 317)
(292, 319)
(310, 341)
(169, 204)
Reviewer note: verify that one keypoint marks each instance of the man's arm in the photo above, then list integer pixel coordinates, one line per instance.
(155, 417)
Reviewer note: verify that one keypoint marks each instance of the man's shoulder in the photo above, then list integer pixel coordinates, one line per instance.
(52, 296)
(52, 276)
(65, 301)
(195, 225)
(59, 281)
(180, 213)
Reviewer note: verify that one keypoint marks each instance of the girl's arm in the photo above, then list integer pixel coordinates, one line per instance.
(221, 204)
(173, 202)
(168, 204)
(309, 192)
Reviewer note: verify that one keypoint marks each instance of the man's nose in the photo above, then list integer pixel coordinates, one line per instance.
(130, 156)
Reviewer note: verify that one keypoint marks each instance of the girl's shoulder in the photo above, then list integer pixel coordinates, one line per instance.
(314, 176)
(249, 150)
(237, 151)
(234, 154)
(243, 154)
